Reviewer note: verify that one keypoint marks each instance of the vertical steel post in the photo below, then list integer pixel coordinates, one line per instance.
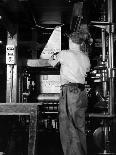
(103, 32)
(111, 58)
(11, 83)
(103, 45)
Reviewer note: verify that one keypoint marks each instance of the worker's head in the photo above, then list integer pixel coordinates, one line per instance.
(79, 38)
(76, 39)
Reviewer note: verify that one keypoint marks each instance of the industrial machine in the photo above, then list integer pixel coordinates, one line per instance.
(104, 76)
(33, 87)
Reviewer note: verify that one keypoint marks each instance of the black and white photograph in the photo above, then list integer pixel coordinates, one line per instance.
(57, 77)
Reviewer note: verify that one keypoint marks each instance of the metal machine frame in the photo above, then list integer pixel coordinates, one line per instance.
(108, 76)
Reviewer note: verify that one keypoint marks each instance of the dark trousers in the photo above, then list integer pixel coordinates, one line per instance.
(72, 107)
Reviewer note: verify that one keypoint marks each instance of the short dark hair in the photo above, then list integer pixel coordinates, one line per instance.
(81, 35)
(78, 37)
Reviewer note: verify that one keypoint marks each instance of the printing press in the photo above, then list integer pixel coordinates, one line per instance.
(30, 87)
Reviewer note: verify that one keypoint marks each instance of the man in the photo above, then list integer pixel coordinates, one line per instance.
(73, 98)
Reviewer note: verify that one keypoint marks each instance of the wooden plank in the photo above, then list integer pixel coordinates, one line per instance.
(17, 108)
(38, 63)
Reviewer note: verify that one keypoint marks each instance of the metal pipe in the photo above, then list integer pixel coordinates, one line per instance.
(110, 11)
(111, 58)
(103, 45)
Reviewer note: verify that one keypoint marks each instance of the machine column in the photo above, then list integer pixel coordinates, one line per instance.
(111, 58)
(11, 83)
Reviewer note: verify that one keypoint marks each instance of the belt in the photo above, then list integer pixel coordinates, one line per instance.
(79, 85)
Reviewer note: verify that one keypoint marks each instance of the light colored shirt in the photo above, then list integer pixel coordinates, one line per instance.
(74, 66)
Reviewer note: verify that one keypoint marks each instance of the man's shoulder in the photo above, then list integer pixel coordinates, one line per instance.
(84, 54)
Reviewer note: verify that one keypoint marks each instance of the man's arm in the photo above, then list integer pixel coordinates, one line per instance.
(52, 61)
